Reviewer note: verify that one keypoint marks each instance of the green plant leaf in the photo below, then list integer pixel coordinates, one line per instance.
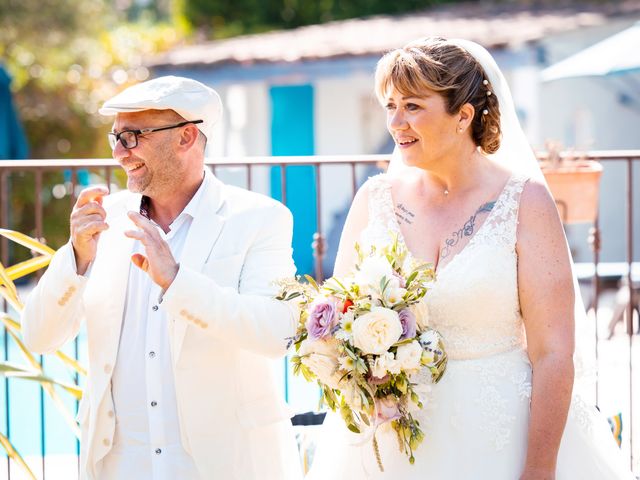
(13, 454)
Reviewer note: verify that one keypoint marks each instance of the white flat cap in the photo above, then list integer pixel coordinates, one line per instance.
(189, 98)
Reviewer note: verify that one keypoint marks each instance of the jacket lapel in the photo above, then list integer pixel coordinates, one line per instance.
(205, 229)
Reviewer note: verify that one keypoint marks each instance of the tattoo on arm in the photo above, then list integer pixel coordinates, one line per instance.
(466, 231)
(403, 214)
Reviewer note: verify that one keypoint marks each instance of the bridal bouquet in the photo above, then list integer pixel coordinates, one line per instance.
(364, 339)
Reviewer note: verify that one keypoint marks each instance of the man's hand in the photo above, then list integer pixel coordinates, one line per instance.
(87, 222)
(159, 262)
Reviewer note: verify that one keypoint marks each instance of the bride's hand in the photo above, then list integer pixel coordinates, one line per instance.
(538, 474)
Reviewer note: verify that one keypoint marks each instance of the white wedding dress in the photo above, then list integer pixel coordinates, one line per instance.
(476, 418)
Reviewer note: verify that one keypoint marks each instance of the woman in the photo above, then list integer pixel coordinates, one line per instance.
(471, 200)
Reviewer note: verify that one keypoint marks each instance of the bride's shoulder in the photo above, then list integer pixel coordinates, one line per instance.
(536, 204)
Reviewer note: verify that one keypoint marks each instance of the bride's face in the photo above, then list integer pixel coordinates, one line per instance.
(423, 130)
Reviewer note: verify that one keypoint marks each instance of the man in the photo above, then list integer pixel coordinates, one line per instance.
(174, 280)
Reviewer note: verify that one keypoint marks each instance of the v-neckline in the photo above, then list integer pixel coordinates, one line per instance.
(438, 269)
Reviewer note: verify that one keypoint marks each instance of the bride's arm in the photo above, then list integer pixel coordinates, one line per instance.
(545, 285)
(357, 220)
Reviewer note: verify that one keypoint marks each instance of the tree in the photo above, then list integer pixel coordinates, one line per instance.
(224, 18)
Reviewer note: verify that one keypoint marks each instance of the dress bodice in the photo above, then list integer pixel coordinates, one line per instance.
(474, 302)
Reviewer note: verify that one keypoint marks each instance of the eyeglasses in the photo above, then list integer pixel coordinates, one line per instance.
(129, 138)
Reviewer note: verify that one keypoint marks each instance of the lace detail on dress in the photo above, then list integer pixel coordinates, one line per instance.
(474, 303)
(501, 226)
(582, 413)
(492, 403)
(382, 223)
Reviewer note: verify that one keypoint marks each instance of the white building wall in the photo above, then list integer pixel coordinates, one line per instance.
(588, 114)
(245, 132)
(348, 121)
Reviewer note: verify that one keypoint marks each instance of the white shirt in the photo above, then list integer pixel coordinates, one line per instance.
(147, 434)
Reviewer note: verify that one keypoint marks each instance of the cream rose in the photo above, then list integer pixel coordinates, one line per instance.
(408, 356)
(372, 269)
(376, 331)
(321, 357)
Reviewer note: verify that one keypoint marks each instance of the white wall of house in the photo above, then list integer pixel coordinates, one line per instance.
(588, 114)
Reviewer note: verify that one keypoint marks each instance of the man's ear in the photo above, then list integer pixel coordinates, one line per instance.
(189, 136)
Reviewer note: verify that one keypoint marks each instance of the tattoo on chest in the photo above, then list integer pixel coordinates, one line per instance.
(467, 230)
(403, 214)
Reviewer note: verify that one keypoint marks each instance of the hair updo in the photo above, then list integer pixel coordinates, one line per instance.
(445, 68)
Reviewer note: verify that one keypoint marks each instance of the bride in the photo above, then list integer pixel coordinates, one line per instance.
(470, 198)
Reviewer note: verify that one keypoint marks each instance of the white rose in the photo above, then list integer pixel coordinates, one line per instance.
(321, 357)
(408, 356)
(421, 312)
(376, 331)
(372, 269)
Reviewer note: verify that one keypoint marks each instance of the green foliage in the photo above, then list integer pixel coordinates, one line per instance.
(225, 18)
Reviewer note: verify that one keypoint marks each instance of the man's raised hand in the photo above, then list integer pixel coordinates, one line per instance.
(87, 222)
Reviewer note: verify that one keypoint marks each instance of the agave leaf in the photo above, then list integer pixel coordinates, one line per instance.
(28, 266)
(14, 327)
(71, 362)
(46, 382)
(27, 241)
(13, 454)
(15, 371)
(48, 386)
(8, 283)
(11, 298)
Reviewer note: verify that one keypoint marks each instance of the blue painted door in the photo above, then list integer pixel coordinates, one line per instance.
(292, 134)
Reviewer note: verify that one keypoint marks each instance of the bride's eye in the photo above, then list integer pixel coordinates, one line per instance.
(389, 106)
(412, 107)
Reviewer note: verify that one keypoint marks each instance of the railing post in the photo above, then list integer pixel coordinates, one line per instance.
(630, 331)
(318, 244)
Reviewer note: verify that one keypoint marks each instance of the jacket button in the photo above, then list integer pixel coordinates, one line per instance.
(154, 403)
(154, 308)
(107, 368)
(158, 451)
(106, 442)
(110, 414)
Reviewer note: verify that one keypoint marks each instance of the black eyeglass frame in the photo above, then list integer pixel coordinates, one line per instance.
(115, 137)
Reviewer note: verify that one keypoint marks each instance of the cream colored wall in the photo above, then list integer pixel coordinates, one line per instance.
(245, 132)
(586, 114)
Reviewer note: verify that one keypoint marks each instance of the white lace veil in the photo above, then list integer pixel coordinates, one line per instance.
(516, 154)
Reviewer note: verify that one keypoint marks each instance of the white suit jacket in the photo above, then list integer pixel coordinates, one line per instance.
(225, 332)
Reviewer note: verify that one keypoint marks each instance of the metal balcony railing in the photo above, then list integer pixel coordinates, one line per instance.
(28, 188)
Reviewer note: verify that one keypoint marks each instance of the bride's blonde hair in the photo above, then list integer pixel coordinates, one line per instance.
(437, 65)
